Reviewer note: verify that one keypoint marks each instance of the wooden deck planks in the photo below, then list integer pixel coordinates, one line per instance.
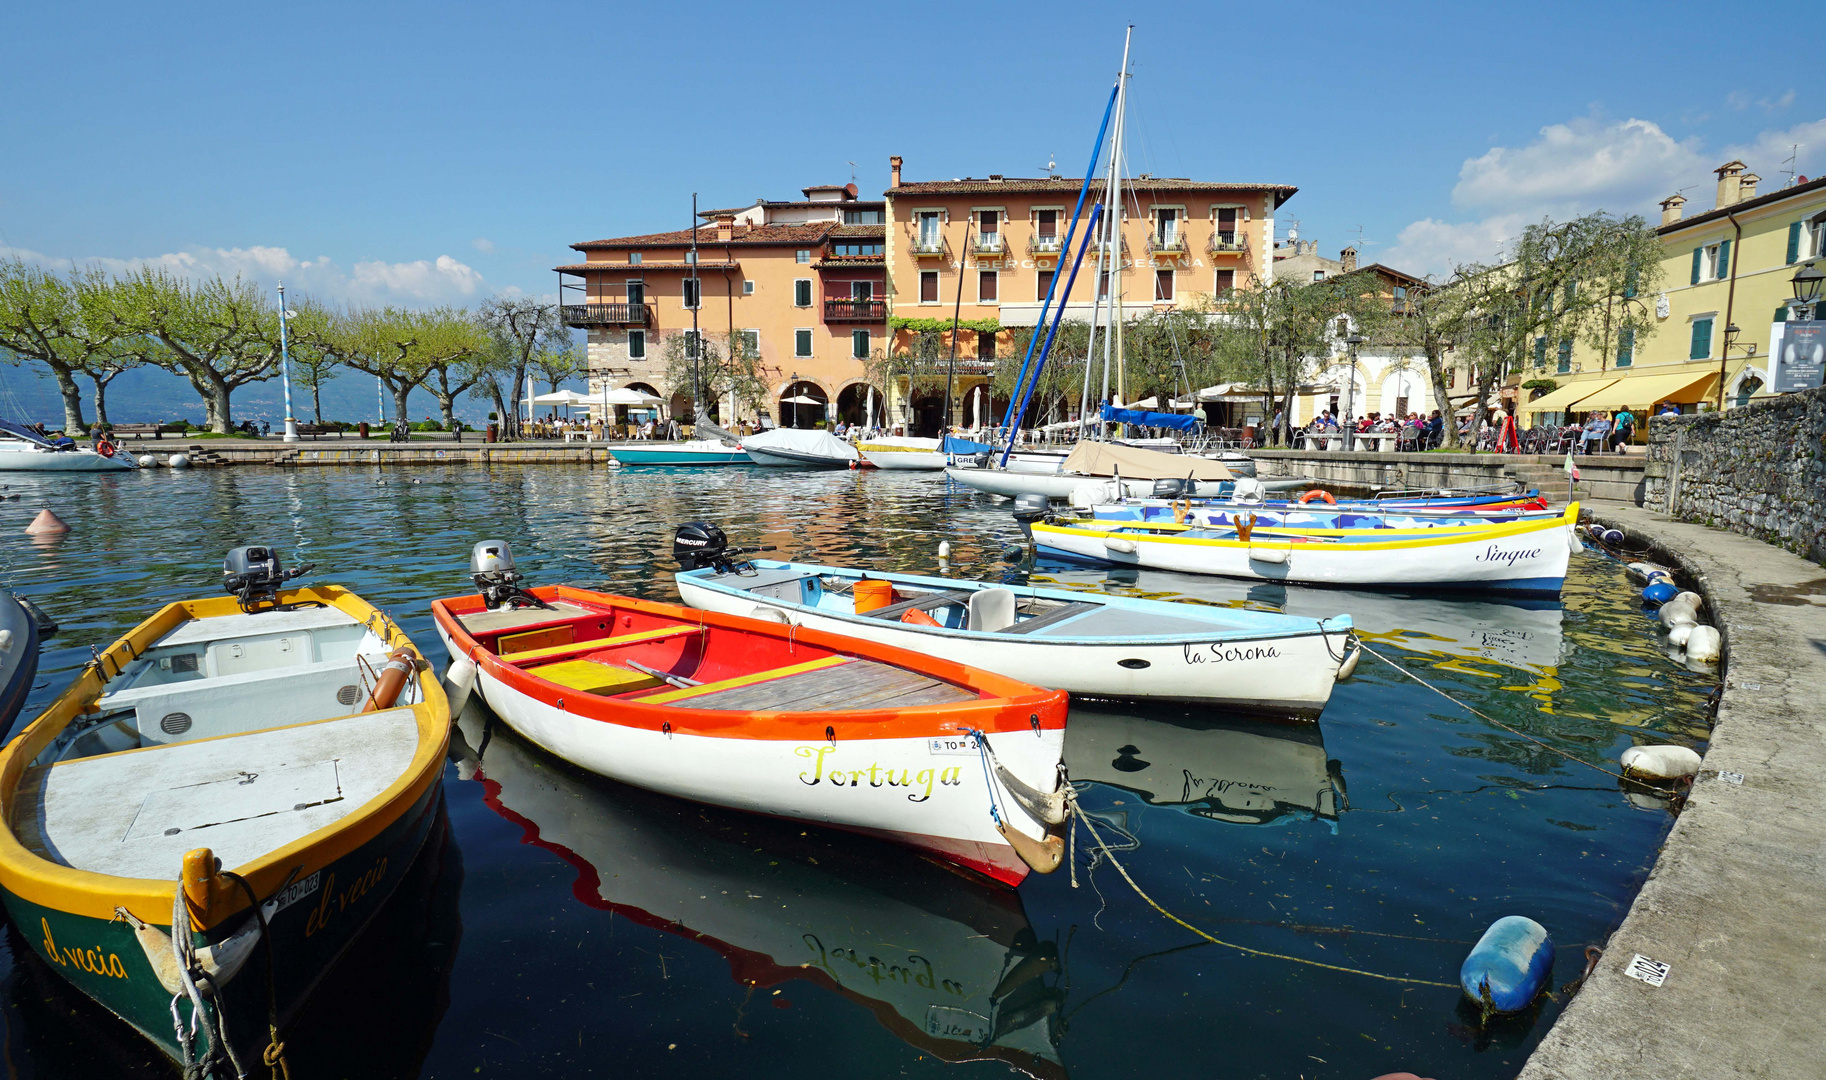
(861, 684)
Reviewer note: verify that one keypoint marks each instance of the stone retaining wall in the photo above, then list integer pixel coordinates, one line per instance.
(1759, 470)
(1614, 477)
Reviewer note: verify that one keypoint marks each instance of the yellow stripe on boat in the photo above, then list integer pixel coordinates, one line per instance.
(1421, 538)
(592, 645)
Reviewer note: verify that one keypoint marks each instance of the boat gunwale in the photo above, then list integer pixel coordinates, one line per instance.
(1419, 538)
(93, 894)
(1004, 705)
(1336, 624)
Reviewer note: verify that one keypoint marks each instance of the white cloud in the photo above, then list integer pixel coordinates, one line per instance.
(1589, 164)
(422, 281)
(1741, 100)
(483, 243)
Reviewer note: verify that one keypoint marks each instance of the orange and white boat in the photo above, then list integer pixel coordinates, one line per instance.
(768, 717)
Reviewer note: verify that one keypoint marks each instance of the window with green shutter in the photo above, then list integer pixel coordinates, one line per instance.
(1699, 254)
(1540, 352)
(1781, 312)
(1794, 241)
(1702, 340)
(1565, 364)
(1724, 258)
(1626, 347)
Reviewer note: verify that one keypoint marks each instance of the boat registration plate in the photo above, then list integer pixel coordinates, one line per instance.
(952, 744)
(948, 1022)
(292, 893)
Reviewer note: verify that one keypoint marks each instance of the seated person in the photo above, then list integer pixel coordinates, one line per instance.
(1595, 430)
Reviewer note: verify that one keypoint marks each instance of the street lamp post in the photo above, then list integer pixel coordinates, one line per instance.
(285, 369)
(1807, 285)
(1350, 393)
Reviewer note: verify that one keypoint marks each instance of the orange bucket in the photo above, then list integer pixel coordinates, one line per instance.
(872, 594)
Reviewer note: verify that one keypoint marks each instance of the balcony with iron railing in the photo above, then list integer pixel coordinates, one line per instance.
(855, 311)
(586, 315)
(1045, 245)
(1227, 243)
(929, 245)
(1174, 244)
(988, 244)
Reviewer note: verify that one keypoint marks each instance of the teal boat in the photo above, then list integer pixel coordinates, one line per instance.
(697, 452)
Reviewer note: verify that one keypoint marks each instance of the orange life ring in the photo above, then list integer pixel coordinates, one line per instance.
(1315, 493)
(104, 448)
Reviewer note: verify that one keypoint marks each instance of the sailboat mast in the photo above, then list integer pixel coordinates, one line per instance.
(1112, 195)
(697, 339)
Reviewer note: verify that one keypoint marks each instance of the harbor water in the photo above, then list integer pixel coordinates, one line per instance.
(561, 924)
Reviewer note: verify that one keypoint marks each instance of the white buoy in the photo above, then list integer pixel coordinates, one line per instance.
(1704, 644)
(146, 461)
(1660, 762)
(1673, 613)
(459, 680)
(178, 461)
(1349, 667)
(1679, 633)
(944, 549)
(1689, 597)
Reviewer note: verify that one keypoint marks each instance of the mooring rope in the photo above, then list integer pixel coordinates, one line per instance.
(1542, 743)
(1108, 854)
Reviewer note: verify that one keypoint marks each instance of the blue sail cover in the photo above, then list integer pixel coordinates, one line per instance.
(20, 431)
(955, 445)
(1176, 421)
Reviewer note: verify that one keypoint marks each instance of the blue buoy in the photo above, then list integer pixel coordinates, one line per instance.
(1660, 591)
(1613, 537)
(1509, 965)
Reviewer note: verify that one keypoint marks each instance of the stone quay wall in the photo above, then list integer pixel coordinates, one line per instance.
(1758, 470)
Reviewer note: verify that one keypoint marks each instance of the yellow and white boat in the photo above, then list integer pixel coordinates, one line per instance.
(280, 748)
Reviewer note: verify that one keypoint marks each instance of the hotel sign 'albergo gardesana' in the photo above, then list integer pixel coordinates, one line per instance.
(815, 285)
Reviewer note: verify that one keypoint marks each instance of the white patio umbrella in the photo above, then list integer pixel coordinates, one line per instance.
(797, 400)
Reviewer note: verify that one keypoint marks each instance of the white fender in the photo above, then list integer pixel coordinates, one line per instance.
(1686, 597)
(1704, 644)
(1679, 633)
(1121, 545)
(459, 682)
(1673, 613)
(1660, 762)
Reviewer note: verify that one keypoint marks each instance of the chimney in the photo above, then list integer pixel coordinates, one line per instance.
(1746, 186)
(725, 228)
(894, 171)
(1670, 208)
(1730, 176)
(1349, 258)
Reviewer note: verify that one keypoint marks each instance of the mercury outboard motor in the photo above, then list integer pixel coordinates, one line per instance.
(1173, 487)
(491, 567)
(253, 575)
(1028, 509)
(699, 544)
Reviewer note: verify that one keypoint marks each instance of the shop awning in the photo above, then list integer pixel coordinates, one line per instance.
(1567, 396)
(1647, 391)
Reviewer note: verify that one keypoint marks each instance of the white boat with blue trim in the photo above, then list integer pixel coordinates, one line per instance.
(1520, 558)
(1089, 644)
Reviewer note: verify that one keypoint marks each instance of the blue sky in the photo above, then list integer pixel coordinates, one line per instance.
(420, 154)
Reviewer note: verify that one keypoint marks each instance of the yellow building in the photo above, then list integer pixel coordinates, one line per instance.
(1725, 293)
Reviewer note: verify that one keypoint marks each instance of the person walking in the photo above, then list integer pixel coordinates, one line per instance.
(1624, 429)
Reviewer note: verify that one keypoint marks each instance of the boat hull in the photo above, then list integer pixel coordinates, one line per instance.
(1058, 485)
(35, 460)
(680, 456)
(1523, 559)
(786, 459)
(19, 662)
(1278, 672)
(902, 459)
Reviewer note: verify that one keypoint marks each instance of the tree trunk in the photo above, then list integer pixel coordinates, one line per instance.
(446, 403)
(316, 406)
(224, 420)
(400, 394)
(1448, 438)
(101, 398)
(494, 391)
(72, 401)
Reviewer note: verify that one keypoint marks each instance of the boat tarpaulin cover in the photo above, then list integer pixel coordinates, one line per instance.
(812, 442)
(1104, 459)
(1150, 419)
(708, 430)
(25, 433)
(955, 445)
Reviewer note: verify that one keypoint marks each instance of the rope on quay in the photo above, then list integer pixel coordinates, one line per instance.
(1487, 718)
(1080, 815)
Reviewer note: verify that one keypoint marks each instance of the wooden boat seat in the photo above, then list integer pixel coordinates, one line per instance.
(1050, 618)
(482, 623)
(135, 813)
(580, 648)
(923, 602)
(833, 684)
(594, 678)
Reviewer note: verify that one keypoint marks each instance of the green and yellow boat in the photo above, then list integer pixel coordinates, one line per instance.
(258, 771)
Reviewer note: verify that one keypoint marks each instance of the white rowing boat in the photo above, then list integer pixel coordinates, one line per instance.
(903, 452)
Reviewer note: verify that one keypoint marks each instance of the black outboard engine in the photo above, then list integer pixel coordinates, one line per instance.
(253, 575)
(1173, 487)
(699, 544)
(491, 567)
(1028, 509)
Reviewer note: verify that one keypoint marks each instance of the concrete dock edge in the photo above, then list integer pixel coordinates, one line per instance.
(1736, 903)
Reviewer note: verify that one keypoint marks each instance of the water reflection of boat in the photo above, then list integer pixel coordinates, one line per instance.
(1519, 634)
(1241, 771)
(949, 966)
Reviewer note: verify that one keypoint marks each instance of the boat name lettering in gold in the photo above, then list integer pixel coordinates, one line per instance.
(322, 914)
(89, 960)
(877, 775)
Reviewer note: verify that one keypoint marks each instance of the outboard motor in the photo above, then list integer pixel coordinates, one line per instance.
(253, 575)
(491, 567)
(699, 544)
(1028, 509)
(1173, 487)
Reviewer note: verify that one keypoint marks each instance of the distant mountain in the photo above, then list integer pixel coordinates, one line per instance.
(150, 395)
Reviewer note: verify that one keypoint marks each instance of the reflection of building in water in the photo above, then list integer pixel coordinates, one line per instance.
(1525, 636)
(949, 965)
(1246, 772)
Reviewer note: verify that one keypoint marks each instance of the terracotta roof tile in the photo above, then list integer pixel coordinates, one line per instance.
(809, 233)
(636, 268)
(1156, 185)
(860, 232)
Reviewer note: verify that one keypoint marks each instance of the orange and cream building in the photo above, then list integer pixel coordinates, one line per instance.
(818, 285)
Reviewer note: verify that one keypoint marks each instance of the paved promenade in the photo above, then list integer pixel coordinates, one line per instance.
(1736, 904)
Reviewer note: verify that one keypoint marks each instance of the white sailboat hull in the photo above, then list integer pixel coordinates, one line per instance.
(35, 459)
